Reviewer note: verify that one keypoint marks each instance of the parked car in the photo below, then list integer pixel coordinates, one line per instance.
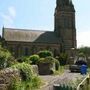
(77, 65)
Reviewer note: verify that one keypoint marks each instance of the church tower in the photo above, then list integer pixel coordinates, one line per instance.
(64, 21)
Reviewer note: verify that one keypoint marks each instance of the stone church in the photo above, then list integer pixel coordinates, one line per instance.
(62, 39)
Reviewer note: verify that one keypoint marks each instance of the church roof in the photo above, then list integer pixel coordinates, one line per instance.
(23, 35)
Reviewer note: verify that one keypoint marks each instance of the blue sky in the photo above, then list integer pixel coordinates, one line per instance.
(39, 15)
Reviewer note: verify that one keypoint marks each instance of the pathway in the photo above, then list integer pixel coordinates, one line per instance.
(65, 78)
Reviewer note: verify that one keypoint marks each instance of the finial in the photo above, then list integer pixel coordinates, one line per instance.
(70, 1)
(3, 27)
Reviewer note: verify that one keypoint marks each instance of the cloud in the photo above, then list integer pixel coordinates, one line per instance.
(8, 17)
(12, 11)
(83, 38)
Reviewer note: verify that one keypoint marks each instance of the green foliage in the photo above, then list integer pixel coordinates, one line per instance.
(47, 60)
(36, 82)
(6, 58)
(29, 81)
(34, 59)
(81, 54)
(84, 50)
(11, 61)
(57, 64)
(45, 53)
(46, 65)
(15, 84)
(23, 59)
(33, 85)
(25, 71)
(63, 58)
(60, 70)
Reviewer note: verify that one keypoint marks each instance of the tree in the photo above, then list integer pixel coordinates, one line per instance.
(84, 50)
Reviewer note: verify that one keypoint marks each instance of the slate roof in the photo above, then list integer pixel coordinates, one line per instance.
(23, 35)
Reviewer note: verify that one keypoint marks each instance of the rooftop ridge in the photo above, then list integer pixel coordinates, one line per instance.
(17, 29)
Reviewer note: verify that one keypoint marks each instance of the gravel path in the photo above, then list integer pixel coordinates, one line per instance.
(66, 78)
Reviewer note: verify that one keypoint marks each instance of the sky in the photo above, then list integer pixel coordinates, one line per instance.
(39, 15)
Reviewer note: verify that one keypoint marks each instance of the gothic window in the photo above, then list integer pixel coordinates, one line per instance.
(26, 51)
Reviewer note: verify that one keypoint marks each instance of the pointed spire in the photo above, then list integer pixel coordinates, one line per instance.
(3, 27)
(70, 1)
(3, 31)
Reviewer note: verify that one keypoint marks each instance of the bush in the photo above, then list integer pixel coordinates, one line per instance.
(29, 81)
(34, 59)
(6, 59)
(36, 82)
(63, 58)
(26, 71)
(49, 60)
(11, 61)
(23, 59)
(45, 53)
(15, 84)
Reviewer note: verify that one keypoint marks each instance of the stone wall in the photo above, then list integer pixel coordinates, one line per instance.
(6, 77)
(35, 69)
(18, 48)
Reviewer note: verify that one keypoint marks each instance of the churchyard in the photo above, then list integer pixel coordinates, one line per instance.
(41, 71)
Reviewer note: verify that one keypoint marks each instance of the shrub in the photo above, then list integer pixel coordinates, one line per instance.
(23, 59)
(6, 59)
(34, 59)
(45, 53)
(63, 58)
(26, 71)
(11, 61)
(15, 84)
(36, 82)
(49, 60)
(29, 81)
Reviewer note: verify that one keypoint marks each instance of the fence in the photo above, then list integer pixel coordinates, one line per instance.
(63, 87)
(85, 84)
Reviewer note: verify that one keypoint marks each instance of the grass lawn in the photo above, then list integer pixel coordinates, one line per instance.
(60, 71)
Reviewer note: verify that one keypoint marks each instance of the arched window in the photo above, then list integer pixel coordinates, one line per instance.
(26, 51)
